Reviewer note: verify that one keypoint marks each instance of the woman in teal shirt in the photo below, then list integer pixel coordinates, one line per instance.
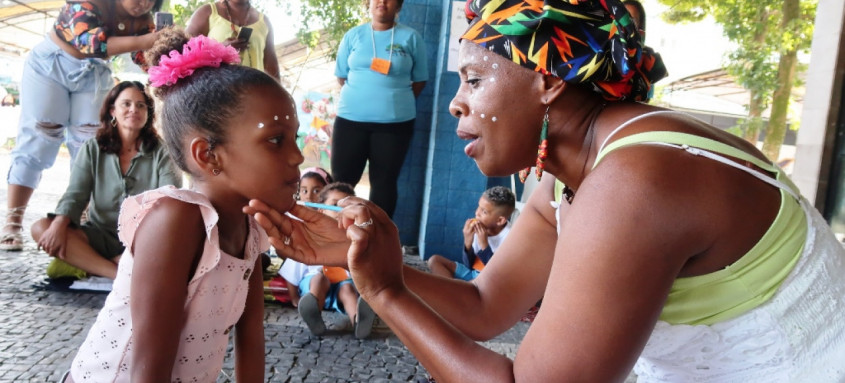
(382, 67)
(125, 158)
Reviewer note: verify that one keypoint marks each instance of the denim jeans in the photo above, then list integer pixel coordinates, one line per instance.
(61, 98)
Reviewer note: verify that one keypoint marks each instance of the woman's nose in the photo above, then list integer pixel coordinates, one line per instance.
(456, 108)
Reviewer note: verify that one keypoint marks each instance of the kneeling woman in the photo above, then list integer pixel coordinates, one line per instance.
(125, 158)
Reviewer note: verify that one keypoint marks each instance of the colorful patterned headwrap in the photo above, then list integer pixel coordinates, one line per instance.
(580, 41)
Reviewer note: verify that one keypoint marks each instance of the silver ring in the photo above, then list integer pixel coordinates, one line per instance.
(287, 240)
(364, 225)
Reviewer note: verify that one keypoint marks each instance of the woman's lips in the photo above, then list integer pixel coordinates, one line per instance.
(469, 149)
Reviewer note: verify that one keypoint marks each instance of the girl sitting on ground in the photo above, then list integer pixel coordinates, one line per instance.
(178, 295)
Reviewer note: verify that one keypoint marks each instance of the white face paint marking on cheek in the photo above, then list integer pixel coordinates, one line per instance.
(492, 79)
(494, 118)
(486, 58)
(482, 115)
(287, 117)
(472, 112)
(275, 118)
(260, 125)
(495, 66)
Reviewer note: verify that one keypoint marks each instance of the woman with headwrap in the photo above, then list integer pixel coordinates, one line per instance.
(669, 246)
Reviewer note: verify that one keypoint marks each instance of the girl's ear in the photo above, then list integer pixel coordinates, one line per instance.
(202, 152)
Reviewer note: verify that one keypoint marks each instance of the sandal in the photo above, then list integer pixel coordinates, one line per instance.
(364, 319)
(12, 239)
(309, 310)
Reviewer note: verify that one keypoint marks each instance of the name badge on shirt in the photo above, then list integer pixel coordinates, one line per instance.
(380, 65)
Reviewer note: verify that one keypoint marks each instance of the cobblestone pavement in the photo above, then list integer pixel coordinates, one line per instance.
(40, 330)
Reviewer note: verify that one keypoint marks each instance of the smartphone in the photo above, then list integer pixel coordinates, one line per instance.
(163, 20)
(245, 34)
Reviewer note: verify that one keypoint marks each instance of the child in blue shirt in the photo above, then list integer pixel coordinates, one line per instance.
(482, 235)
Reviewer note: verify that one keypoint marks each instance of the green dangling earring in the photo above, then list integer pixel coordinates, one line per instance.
(542, 151)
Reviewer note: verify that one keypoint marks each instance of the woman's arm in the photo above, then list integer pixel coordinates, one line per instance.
(79, 190)
(271, 62)
(249, 332)
(198, 24)
(159, 285)
(417, 87)
(168, 172)
(116, 45)
(614, 264)
(516, 275)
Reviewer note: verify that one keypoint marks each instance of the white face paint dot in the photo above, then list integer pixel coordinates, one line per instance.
(260, 125)
(276, 118)
(492, 79)
(485, 58)
(482, 115)
(495, 66)
(494, 119)
(472, 112)
(481, 89)
(287, 117)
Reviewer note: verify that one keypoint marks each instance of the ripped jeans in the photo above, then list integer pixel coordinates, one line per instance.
(61, 98)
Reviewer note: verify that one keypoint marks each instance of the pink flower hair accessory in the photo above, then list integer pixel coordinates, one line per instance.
(198, 52)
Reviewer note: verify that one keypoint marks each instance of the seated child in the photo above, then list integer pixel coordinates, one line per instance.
(482, 235)
(315, 288)
(311, 183)
(334, 192)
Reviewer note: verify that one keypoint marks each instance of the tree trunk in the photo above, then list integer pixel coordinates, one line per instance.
(776, 129)
(757, 98)
(755, 117)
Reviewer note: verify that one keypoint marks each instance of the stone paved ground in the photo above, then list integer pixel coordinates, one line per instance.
(41, 330)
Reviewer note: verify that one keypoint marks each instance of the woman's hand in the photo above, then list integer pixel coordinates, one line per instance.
(236, 43)
(313, 239)
(54, 239)
(375, 256)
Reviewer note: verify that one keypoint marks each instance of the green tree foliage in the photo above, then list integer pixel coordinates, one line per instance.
(182, 10)
(768, 35)
(326, 20)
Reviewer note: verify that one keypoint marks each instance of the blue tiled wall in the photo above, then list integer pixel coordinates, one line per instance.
(439, 185)
(425, 17)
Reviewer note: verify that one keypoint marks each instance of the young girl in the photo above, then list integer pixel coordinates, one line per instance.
(312, 181)
(186, 279)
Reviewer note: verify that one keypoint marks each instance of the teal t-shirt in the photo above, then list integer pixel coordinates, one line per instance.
(369, 96)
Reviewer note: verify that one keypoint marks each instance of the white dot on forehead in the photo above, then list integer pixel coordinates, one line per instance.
(260, 125)
(276, 118)
(482, 115)
(494, 118)
(486, 58)
(495, 66)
